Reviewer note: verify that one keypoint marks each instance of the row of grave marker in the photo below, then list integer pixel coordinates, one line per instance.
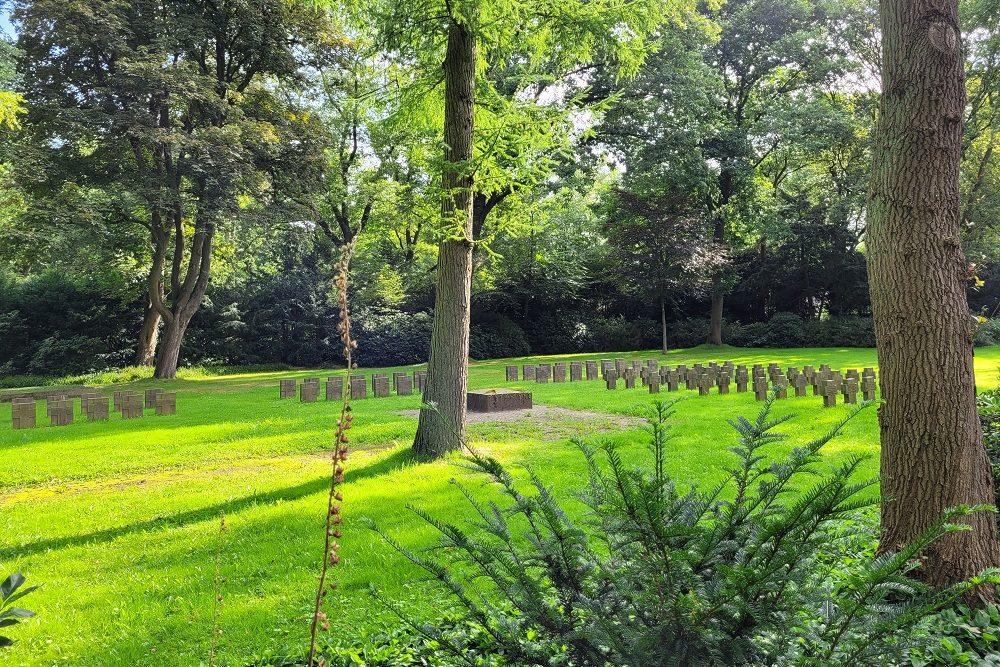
(824, 381)
(60, 409)
(308, 389)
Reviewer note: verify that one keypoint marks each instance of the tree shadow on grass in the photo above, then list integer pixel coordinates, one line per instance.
(399, 459)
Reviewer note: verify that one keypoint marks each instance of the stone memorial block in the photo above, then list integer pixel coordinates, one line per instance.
(420, 380)
(653, 383)
(722, 382)
(644, 376)
(673, 380)
(23, 413)
(611, 379)
(543, 373)
(867, 388)
(132, 406)
(760, 389)
(404, 386)
(591, 370)
(799, 383)
(380, 386)
(335, 387)
(398, 374)
(559, 371)
(852, 374)
(376, 377)
(704, 384)
(286, 388)
(780, 389)
(850, 391)
(166, 403)
(620, 365)
(607, 365)
(575, 371)
(497, 400)
(308, 392)
(98, 408)
(808, 371)
(829, 394)
(868, 372)
(52, 404)
(630, 378)
(511, 373)
(61, 411)
(528, 371)
(149, 397)
(358, 387)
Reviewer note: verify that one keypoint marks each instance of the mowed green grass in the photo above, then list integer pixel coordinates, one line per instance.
(119, 521)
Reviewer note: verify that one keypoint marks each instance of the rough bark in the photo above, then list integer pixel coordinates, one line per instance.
(442, 428)
(719, 239)
(663, 322)
(932, 452)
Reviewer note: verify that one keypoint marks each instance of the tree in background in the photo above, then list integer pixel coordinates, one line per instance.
(164, 105)
(932, 456)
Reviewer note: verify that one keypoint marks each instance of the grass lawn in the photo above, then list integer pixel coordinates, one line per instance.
(119, 521)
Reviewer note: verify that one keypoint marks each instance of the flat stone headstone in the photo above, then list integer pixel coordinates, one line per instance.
(399, 374)
(149, 397)
(335, 388)
(132, 406)
(98, 408)
(166, 403)
(380, 386)
(653, 383)
(308, 392)
(53, 403)
(377, 377)
(620, 365)
(23, 413)
(591, 370)
(575, 371)
(829, 394)
(528, 371)
(497, 400)
(559, 372)
(630, 378)
(420, 380)
(286, 388)
(404, 386)
(511, 373)
(61, 412)
(358, 387)
(611, 379)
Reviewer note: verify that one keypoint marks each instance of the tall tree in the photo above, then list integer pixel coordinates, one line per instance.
(932, 452)
(165, 101)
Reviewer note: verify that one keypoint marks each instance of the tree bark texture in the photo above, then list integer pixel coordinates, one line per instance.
(146, 350)
(932, 453)
(719, 239)
(442, 428)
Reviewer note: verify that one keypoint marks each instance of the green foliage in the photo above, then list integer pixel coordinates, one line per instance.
(961, 636)
(9, 594)
(755, 570)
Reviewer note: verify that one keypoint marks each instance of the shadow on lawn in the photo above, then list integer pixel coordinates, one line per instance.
(402, 458)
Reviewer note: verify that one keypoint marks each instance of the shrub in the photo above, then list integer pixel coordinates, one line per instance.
(392, 338)
(989, 417)
(987, 333)
(763, 569)
(961, 636)
(9, 594)
(494, 336)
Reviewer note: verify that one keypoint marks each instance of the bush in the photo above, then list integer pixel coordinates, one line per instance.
(493, 336)
(961, 636)
(392, 338)
(773, 567)
(987, 333)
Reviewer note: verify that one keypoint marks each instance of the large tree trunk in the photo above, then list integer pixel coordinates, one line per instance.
(170, 346)
(715, 321)
(719, 240)
(932, 452)
(442, 428)
(146, 351)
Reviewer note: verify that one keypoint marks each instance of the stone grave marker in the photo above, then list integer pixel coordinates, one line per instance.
(132, 406)
(380, 386)
(760, 388)
(780, 389)
(166, 403)
(852, 374)
(308, 392)
(620, 365)
(868, 372)
(682, 370)
(511, 374)
(673, 380)
(98, 408)
(23, 413)
(528, 371)
(799, 383)
(653, 383)
(376, 377)
(611, 379)
(420, 380)
(808, 372)
(286, 388)
(850, 391)
(497, 400)
(630, 378)
(559, 371)
(404, 386)
(591, 370)
(867, 388)
(575, 371)
(723, 382)
(358, 387)
(398, 374)
(742, 379)
(61, 412)
(543, 373)
(704, 384)
(829, 394)
(335, 388)
(52, 404)
(149, 397)
(607, 365)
